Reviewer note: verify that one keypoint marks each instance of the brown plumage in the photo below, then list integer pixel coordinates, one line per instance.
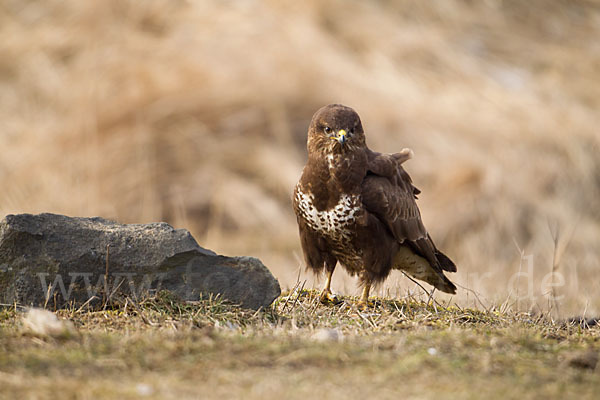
(358, 207)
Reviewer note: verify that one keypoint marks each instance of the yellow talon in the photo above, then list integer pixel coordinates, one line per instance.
(365, 305)
(329, 298)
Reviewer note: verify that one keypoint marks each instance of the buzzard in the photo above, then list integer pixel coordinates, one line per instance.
(358, 207)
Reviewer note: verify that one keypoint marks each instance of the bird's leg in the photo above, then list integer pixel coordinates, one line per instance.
(326, 296)
(364, 298)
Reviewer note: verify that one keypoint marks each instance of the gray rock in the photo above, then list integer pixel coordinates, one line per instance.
(58, 260)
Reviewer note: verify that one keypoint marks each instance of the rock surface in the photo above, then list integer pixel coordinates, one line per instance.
(55, 260)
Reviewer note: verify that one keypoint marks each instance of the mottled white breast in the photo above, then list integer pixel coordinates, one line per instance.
(334, 222)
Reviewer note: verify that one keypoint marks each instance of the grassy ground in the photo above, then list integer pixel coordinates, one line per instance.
(163, 348)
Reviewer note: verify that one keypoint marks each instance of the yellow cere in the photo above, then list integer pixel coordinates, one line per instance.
(341, 132)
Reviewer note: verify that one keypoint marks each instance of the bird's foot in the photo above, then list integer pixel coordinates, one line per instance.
(329, 298)
(364, 305)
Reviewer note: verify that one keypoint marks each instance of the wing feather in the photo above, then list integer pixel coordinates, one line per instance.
(388, 193)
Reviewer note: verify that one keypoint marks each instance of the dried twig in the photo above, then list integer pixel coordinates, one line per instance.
(421, 286)
(86, 303)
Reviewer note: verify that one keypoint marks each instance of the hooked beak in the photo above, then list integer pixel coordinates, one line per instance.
(341, 136)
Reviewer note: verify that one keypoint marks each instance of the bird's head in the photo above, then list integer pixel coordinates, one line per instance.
(335, 128)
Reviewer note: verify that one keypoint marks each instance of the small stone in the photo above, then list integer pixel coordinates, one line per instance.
(44, 323)
(143, 389)
(327, 335)
(432, 351)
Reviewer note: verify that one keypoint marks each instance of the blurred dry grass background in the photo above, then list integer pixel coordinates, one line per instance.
(195, 113)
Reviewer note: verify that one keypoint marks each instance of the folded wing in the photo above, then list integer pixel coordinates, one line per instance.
(388, 193)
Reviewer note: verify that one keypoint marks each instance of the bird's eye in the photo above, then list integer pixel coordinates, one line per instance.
(351, 131)
(327, 130)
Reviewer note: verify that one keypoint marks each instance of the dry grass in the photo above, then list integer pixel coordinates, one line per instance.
(195, 113)
(163, 348)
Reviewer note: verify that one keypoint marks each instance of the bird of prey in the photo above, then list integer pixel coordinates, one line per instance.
(358, 207)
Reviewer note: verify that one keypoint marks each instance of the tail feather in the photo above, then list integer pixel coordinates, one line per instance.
(418, 267)
(443, 284)
(446, 263)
